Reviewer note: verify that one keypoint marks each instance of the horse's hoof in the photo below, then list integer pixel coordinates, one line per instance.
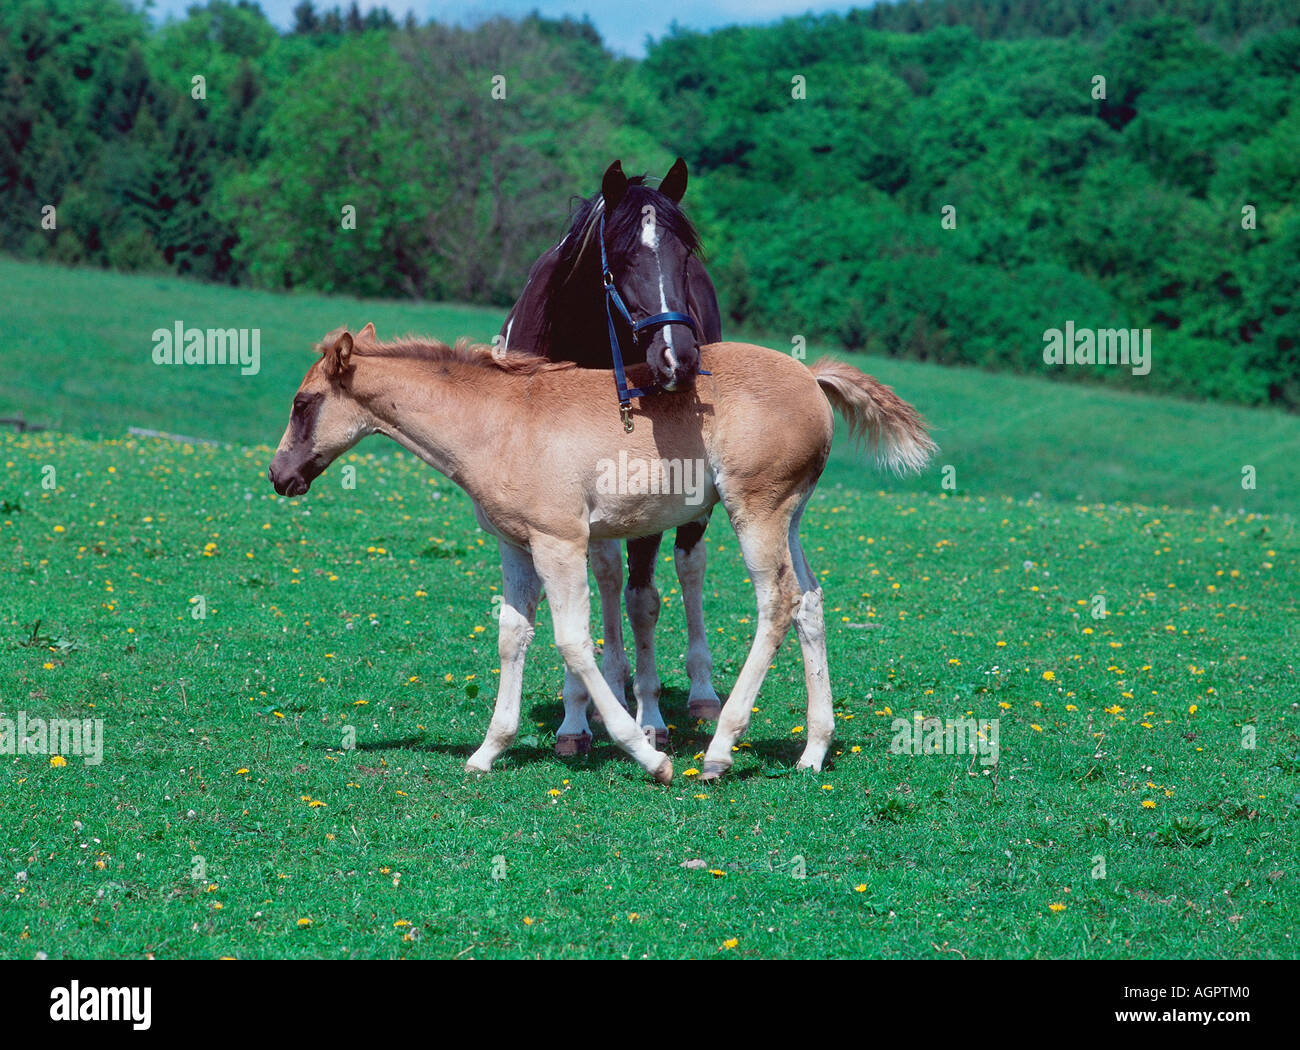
(712, 770)
(664, 772)
(705, 708)
(567, 745)
(470, 767)
(657, 737)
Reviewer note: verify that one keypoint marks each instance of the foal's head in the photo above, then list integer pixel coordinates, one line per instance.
(648, 243)
(325, 421)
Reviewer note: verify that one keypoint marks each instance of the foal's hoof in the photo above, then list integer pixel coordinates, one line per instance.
(657, 737)
(664, 773)
(470, 767)
(567, 745)
(704, 707)
(712, 770)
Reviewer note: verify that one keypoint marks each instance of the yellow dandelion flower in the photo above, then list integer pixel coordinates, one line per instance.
(58, 761)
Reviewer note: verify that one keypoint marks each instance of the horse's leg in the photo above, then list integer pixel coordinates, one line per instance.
(689, 558)
(643, 612)
(810, 625)
(518, 615)
(607, 564)
(574, 735)
(765, 544)
(562, 566)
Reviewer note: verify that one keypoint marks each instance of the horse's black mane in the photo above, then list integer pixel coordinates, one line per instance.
(622, 235)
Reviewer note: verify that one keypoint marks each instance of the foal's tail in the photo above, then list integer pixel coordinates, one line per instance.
(894, 430)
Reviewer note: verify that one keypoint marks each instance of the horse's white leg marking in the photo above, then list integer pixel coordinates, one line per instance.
(518, 615)
(810, 625)
(562, 566)
(643, 610)
(690, 567)
(767, 557)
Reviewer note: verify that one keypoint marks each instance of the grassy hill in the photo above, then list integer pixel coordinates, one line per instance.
(79, 347)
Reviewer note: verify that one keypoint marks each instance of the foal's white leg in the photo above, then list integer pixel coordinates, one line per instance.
(703, 701)
(518, 614)
(643, 612)
(767, 557)
(643, 606)
(607, 565)
(810, 625)
(574, 734)
(562, 565)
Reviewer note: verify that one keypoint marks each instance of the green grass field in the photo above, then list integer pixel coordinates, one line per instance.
(1146, 802)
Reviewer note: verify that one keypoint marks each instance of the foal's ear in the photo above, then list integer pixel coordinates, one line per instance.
(368, 333)
(337, 349)
(674, 185)
(613, 186)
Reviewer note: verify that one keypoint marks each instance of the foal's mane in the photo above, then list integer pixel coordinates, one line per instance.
(463, 352)
(622, 234)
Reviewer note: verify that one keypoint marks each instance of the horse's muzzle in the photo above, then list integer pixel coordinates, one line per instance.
(289, 484)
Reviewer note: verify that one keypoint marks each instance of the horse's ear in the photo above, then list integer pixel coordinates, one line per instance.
(613, 186)
(337, 349)
(674, 185)
(368, 333)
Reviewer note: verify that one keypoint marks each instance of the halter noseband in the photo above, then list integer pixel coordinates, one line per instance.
(614, 301)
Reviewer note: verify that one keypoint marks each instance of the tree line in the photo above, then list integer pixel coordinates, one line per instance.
(941, 180)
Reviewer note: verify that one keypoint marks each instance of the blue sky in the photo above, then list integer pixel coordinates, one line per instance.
(623, 26)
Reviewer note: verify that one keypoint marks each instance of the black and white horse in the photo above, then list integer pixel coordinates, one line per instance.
(651, 259)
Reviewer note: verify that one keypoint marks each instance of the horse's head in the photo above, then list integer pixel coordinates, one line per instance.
(648, 243)
(325, 421)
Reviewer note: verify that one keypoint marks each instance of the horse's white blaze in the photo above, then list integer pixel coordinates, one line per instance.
(650, 238)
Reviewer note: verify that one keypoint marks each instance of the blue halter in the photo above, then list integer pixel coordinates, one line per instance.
(614, 301)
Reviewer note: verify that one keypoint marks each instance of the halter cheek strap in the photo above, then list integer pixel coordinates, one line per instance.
(614, 301)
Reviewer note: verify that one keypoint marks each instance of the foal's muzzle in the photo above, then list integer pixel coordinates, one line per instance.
(289, 483)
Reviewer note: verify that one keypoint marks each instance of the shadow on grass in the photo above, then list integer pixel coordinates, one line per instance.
(536, 743)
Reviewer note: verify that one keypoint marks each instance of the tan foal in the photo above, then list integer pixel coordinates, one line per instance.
(541, 450)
